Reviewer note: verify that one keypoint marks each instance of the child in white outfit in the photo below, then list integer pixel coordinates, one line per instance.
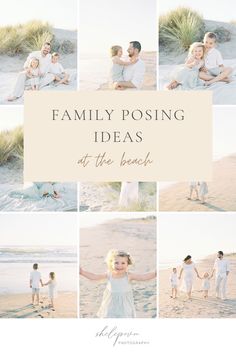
(52, 293)
(61, 77)
(206, 284)
(174, 283)
(214, 69)
(193, 188)
(118, 64)
(33, 73)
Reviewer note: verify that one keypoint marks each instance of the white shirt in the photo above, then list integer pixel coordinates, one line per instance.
(56, 68)
(135, 73)
(174, 279)
(213, 59)
(221, 266)
(44, 62)
(35, 277)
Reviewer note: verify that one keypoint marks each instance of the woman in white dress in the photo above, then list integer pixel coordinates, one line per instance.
(129, 194)
(203, 190)
(188, 268)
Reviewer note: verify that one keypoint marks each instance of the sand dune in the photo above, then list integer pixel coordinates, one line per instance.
(102, 197)
(199, 307)
(221, 196)
(18, 306)
(138, 237)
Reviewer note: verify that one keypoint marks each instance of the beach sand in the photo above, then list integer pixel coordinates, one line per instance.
(221, 191)
(11, 66)
(199, 307)
(138, 237)
(102, 197)
(19, 306)
(12, 172)
(150, 61)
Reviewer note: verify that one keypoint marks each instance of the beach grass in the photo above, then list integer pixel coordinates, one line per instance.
(30, 36)
(11, 145)
(179, 28)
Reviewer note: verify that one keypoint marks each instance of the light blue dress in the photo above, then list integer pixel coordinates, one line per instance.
(116, 73)
(188, 77)
(36, 191)
(118, 301)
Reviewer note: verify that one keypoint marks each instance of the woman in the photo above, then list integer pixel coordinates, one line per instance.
(188, 268)
(129, 194)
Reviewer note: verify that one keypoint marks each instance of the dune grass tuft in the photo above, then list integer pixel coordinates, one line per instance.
(11, 145)
(179, 28)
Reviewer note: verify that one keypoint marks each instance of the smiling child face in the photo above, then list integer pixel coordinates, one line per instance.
(209, 43)
(198, 52)
(120, 264)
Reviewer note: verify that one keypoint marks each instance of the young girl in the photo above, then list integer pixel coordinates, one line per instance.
(193, 188)
(52, 293)
(118, 64)
(128, 194)
(118, 299)
(203, 190)
(206, 284)
(187, 75)
(32, 73)
(174, 283)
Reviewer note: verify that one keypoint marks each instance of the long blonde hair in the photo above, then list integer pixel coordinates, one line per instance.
(117, 253)
(114, 50)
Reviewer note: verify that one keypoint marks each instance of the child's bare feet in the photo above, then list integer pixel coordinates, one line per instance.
(12, 98)
(172, 85)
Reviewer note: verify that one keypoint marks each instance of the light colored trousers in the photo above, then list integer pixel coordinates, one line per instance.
(23, 81)
(221, 281)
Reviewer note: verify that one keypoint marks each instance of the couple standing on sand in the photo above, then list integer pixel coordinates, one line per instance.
(220, 269)
(202, 192)
(204, 66)
(40, 69)
(36, 281)
(127, 73)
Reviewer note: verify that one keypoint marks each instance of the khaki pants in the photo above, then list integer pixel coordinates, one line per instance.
(22, 81)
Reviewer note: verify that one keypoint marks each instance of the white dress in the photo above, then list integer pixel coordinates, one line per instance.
(174, 280)
(52, 289)
(128, 194)
(203, 190)
(187, 284)
(118, 301)
(36, 191)
(206, 284)
(34, 80)
(116, 73)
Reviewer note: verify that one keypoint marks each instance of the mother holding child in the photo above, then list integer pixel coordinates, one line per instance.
(204, 66)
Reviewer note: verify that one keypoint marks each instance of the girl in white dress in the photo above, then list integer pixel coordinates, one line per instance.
(37, 191)
(33, 73)
(174, 283)
(187, 75)
(203, 190)
(129, 194)
(118, 64)
(118, 301)
(188, 268)
(52, 289)
(206, 284)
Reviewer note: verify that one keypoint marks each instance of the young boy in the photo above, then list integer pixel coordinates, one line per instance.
(214, 69)
(61, 77)
(174, 283)
(35, 281)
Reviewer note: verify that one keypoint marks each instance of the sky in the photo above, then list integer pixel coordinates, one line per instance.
(31, 229)
(197, 234)
(11, 117)
(91, 220)
(224, 128)
(59, 13)
(217, 10)
(117, 23)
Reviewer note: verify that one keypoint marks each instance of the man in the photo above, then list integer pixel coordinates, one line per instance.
(46, 78)
(221, 270)
(133, 74)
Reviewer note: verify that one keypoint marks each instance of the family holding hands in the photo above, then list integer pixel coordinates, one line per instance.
(220, 269)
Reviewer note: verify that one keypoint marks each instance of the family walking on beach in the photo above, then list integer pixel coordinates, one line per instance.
(200, 189)
(204, 66)
(40, 69)
(36, 281)
(118, 300)
(127, 73)
(220, 270)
